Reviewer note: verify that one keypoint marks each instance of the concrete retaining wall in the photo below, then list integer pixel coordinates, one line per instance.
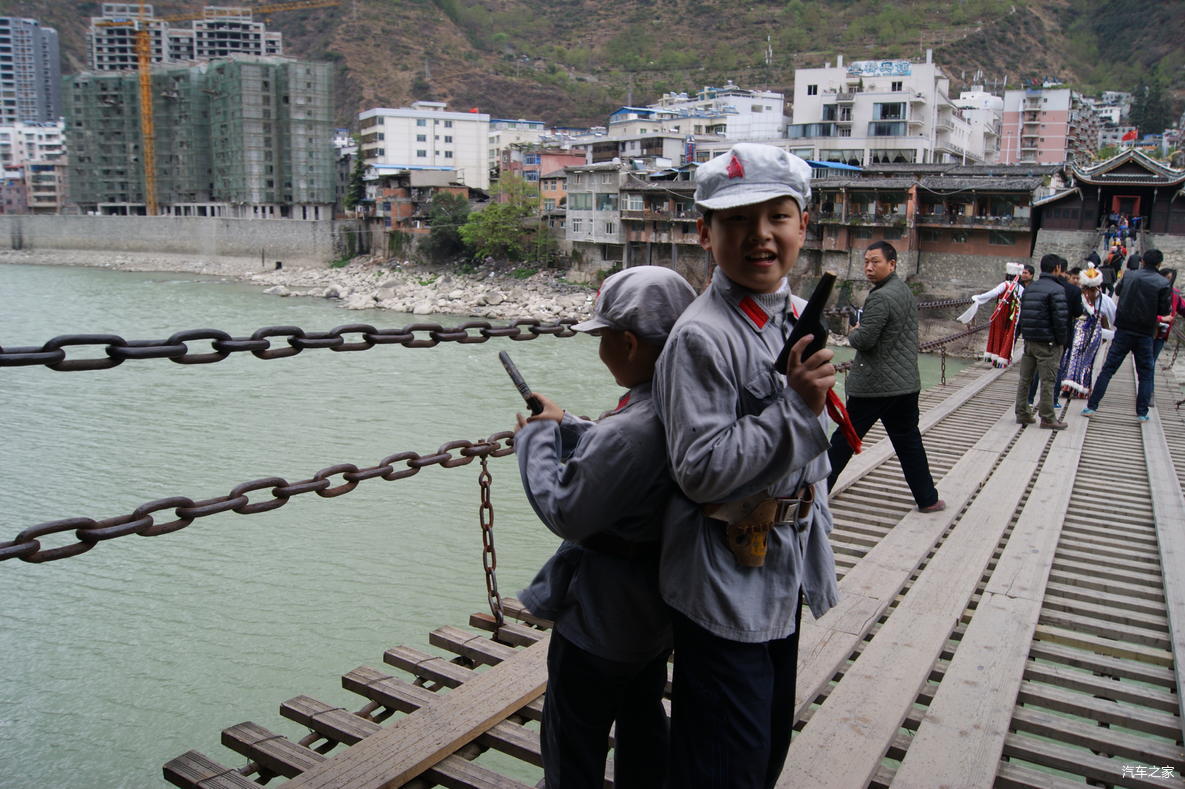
(1073, 245)
(298, 243)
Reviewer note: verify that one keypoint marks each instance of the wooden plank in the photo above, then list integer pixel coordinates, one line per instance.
(1080, 761)
(428, 667)
(194, 770)
(1101, 686)
(420, 740)
(866, 708)
(1112, 602)
(961, 737)
(1014, 776)
(511, 633)
(1168, 503)
(1106, 628)
(1106, 646)
(872, 457)
(1099, 711)
(333, 723)
(477, 648)
(457, 773)
(272, 751)
(1104, 664)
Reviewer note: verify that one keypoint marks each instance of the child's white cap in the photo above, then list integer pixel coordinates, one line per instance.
(752, 173)
(645, 300)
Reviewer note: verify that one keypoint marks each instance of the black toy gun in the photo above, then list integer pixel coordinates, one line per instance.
(531, 400)
(809, 322)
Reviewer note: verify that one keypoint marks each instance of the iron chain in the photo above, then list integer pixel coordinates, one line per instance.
(489, 557)
(88, 532)
(290, 340)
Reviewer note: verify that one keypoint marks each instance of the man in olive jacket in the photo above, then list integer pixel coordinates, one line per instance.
(884, 382)
(1044, 324)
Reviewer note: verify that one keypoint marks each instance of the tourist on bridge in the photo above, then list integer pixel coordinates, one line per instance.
(603, 487)
(1090, 329)
(1002, 326)
(1143, 296)
(1043, 326)
(884, 382)
(747, 446)
(1165, 322)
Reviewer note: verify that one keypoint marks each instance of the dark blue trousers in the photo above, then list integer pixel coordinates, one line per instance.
(1140, 347)
(585, 695)
(899, 414)
(732, 709)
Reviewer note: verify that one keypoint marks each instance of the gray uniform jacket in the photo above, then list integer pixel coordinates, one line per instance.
(585, 479)
(735, 429)
(886, 343)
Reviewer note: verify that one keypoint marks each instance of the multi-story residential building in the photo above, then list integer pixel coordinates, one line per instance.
(730, 111)
(658, 213)
(531, 161)
(1047, 125)
(403, 198)
(426, 136)
(222, 31)
(31, 142)
(553, 191)
(504, 133)
(984, 112)
(30, 72)
(243, 136)
(13, 198)
(593, 223)
(881, 111)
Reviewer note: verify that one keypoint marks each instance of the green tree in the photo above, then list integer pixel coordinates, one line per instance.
(446, 215)
(356, 190)
(1150, 111)
(504, 228)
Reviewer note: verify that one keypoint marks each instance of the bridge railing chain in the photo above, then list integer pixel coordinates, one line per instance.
(89, 532)
(290, 339)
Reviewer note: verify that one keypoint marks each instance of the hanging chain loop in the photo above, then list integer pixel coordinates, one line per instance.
(489, 557)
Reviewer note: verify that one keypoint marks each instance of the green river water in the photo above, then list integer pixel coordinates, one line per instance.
(115, 661)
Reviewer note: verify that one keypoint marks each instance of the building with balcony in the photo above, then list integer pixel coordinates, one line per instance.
(32, 142)
(402, 199)
(659, 216)
(1047, 125)
(427, 136)
(530, 161)
(504, 133)
(30, 72)
(593, 226)
(884, 111)
(730, 111)
(222, 31)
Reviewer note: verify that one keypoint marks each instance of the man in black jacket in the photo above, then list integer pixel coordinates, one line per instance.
(1143, 295)
(1043, 322)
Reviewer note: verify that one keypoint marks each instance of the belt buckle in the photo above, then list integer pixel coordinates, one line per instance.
(795, 510)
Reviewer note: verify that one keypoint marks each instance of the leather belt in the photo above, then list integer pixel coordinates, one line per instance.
(796, 509)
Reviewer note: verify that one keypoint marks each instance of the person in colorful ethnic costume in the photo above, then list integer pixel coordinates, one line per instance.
(1002, 326)
(1097, 323)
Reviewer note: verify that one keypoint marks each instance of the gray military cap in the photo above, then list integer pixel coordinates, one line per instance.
(752, 173)
(645, 300)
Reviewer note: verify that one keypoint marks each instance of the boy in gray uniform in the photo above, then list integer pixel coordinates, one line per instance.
(749, 451)
(603, 487)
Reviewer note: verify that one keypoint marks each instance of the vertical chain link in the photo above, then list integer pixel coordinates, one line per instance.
(489, 558)
(942, 354)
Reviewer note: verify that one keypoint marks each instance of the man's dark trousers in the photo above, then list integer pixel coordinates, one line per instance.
(899, 415)
(741, 692)
(576, 721)
(1140, 347)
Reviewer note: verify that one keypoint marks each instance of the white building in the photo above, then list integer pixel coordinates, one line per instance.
(31, 142)
(221, 31)
(30, 71)
(593, 223)
(426, 136)
(880, 111)
(984, 111)
(731, 111)
(505, 133)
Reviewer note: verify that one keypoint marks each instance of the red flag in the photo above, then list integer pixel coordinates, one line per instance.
(473, 109)
(1130, 135)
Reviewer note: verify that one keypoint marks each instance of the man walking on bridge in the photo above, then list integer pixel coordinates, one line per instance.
(1044, 320)
(1143, 295)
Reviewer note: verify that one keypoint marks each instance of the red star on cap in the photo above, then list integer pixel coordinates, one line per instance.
(735, 168)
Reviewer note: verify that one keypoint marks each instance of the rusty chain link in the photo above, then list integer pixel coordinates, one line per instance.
(88, 532)
(489, 557)
(291, 339)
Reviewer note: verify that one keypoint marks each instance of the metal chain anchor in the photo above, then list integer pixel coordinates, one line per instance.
(489, 557)
(942, 356)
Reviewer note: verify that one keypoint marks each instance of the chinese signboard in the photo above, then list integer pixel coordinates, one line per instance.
(879, 68)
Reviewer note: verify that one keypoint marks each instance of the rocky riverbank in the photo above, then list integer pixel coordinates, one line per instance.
(485, 291)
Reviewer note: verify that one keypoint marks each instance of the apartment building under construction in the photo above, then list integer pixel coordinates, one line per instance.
(222, 31)
(239, 137)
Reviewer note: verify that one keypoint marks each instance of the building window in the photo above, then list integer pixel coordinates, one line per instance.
(606, 202)
(548, 204)
(999, 239)
(576, 224)
(421, 122)
(862, 232)
(959, 238)
(449, 155)
(448, 138)
(448, 124)
(610, 228)
(580, 201)
(421, 153)
(421, 138)
(634, 203)
(529, 175)
(895, 87)
(812, 90)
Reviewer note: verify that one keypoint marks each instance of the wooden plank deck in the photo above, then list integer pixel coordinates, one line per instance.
(1029, 636)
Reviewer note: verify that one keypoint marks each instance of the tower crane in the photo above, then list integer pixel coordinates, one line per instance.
(143, 35)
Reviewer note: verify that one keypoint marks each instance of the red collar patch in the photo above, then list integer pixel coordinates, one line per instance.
(623, 402)
(754, 312)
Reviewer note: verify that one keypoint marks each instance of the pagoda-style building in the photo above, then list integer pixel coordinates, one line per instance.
(1129, 183)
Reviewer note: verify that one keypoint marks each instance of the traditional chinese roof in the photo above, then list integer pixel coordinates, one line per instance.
(1053, 198)
(947, 183)
(1129, 168)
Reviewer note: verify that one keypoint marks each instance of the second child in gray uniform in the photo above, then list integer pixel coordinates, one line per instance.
(749, 450)
(603, 487)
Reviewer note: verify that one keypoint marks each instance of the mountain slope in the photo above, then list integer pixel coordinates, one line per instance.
(574, 61)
